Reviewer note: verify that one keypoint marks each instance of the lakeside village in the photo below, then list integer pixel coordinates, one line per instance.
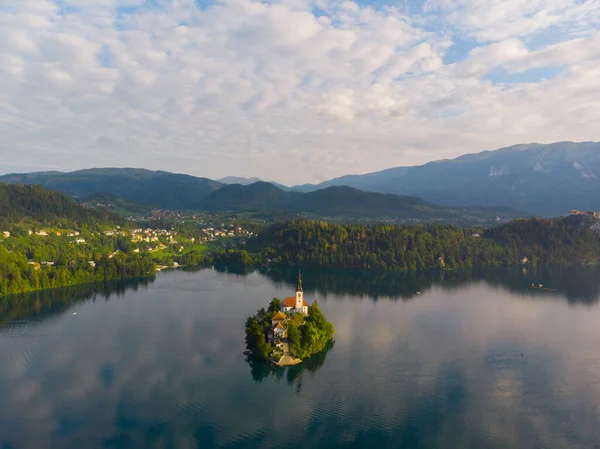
(289, 331)
(154, 241)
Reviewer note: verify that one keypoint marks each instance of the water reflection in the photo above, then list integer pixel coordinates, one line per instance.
(293, 374)
(472, 363)
(575, 284)
(43, 304)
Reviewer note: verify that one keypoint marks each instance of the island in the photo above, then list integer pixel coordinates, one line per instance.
(288, 331)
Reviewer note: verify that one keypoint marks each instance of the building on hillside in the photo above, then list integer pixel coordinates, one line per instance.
(279, 317)
(278, 330)
(296, 304)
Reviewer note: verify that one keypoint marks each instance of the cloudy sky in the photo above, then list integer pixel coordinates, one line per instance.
(292, 91)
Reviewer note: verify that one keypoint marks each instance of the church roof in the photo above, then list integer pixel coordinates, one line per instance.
(279, 316)
(290, 301)
(279, 326)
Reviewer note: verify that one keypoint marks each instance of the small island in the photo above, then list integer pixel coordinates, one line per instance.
(288, 331)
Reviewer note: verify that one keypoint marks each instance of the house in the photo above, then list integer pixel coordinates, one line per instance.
(278, 318)
(42, 233)
(296, 304)
(6, 234)
(279, 331)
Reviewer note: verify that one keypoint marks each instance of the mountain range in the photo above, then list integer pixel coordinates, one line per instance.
(543, 179)
(339, 201)
(135, 190)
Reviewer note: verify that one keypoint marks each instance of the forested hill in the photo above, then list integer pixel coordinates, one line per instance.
(71, 250)
(45, 206)
(570, 240)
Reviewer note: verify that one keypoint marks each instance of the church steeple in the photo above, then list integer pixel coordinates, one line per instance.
(299, 286)
(299, 295)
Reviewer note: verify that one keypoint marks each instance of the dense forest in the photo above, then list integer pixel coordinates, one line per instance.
(17, 275)
(567, 240)
(35, 203)
(306, 335)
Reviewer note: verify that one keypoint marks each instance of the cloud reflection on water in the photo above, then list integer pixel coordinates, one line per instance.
(163, 366)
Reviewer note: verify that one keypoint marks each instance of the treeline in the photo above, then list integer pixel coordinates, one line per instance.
(36, 203)
(309, 335)
(567, 240)
(18, 275)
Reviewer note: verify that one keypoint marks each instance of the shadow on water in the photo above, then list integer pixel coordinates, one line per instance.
(292, 375)
(44, 304)
(577, 285)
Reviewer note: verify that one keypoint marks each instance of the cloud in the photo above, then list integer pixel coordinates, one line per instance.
(292, 91)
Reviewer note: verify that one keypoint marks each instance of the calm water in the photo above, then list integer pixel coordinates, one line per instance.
(476, 360)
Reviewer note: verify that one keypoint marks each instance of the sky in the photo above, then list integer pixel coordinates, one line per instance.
(290, 91)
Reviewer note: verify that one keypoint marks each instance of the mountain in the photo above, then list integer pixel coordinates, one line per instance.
(545, 179)
(157, 189)
(19, 202)
(134, 191)
(260, 196)
(340, 201)
(248, 181)
(238, 180)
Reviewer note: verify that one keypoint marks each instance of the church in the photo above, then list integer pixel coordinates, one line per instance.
(296, 304)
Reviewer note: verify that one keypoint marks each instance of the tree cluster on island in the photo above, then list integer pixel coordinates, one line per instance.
(307, 335)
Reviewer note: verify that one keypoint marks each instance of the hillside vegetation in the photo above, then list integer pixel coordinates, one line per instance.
(48, 240)
(45, 206)
(541, 241)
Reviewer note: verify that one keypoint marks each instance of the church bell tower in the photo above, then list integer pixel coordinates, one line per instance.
(299, 294)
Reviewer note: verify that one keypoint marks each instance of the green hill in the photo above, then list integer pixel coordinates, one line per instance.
(103, 200)
(570, 240)
(257, 197)
(45, 206)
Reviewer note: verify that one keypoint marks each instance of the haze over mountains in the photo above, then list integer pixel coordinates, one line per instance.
(542, 179)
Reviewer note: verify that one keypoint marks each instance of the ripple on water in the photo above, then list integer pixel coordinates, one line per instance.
(18, 360)
(19, 329)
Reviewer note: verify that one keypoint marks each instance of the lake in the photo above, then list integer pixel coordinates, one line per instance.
(429, 360)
